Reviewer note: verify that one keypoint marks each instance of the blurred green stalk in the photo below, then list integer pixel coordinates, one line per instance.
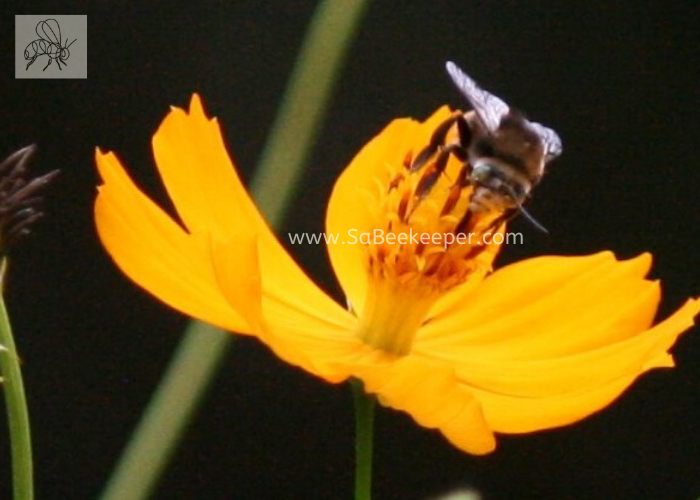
(203, 347)
(16, 402)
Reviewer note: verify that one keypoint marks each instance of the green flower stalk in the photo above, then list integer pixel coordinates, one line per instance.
(20, 208)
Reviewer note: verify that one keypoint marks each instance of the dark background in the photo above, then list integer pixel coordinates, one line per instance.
(618, 80)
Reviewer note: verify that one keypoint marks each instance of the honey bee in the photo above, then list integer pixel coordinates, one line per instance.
(504, 155)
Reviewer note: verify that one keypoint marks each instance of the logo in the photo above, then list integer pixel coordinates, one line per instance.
(50, 41)
(49, 44)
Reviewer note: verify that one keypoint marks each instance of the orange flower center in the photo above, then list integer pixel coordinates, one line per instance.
(426, 242)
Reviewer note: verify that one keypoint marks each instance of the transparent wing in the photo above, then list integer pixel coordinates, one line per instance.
(50, 31)
(550, 139)
(488, 107)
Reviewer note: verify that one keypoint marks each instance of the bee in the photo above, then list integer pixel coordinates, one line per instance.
(49, 44)
(503, 154)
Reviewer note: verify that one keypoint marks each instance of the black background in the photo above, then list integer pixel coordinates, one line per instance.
(618, 80)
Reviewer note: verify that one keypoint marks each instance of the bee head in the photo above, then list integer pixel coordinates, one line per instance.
(500, 187)
(503, 180)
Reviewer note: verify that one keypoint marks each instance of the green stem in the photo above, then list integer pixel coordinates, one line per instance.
(364, 434)
(198, 356)
(17, 414)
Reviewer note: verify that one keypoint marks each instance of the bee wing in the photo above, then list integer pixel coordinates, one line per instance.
(550, 139)
(489, 108)
(50, 31)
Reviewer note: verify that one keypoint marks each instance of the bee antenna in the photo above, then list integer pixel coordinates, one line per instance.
(524, 212)
(531, 219)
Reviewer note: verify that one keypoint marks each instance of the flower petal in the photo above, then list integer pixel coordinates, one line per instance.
(155, 252)
(552, 340)
(315, 343)
(432, 395)
(210, 199)
(199, 176)
(317, 346)
(238, 275)
(513, 415)
(548, 306)
(213, 280)
(583, 371)
(350, 207)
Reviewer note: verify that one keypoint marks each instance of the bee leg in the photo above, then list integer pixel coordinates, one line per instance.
(423, 157)
(430, 177)
(47, 65)
(459, 184)
(437, 140)
(463, 179)
(465, 133)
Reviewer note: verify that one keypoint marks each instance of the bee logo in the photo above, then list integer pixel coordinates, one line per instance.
(504, 154)
(48, 44)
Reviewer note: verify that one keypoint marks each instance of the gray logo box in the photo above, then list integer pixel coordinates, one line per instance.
(50, 46)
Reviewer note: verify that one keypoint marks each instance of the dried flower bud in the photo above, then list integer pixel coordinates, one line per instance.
(20, 197)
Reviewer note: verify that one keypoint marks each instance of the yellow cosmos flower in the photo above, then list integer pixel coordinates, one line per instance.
(431, 331)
